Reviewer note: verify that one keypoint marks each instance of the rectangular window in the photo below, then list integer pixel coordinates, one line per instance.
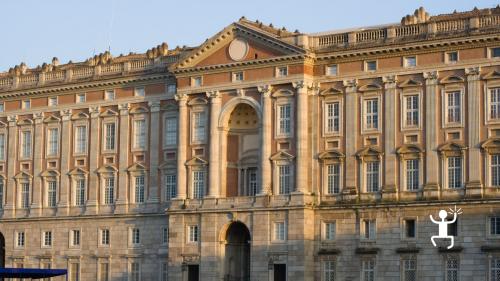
(281, 71)
(171, 88)
(370, 65)
(279, 231)
(193, 234)
(495, 52)
(170, 131)
(164, 272)
(110, 136)
(198, 184)
(368, 269)
(329, 230)
(139, 189)
(140, 134)
(74, 272)
(135, 271)
(51, 193)
(495, 170)
(104, 271)
(170, 182)
(372, 176)
(284, 119)
(454, 104)
(409, 269)
(139, 92)
(80, 98)
(452, 267)
(368, 229)
(80, 192)
(332, 117)
(410, 228)
(454, 172)
(332, 70)
(52, 101)
(494, 226)
(81, 139)
(199, 126)
(329, 270)
(25, 195)
(26, 104)
(47, 239)
(371, 116)
(136, 236)
(164, 237)
(495, 269)
(109, 95)
(20, 239)
(412, 174)
(109, 190)
(2, 107)
(452, 227)
(26, 144)
(495, 103)
(53, 145)
(410, 62)
(105, 237)
(237, 76)
(333, 178)
(451, 57)
(196, 81)
(411, 110)
(2, 147)
(285, 177)
(1, 193)
(75, 238)
(252, 181)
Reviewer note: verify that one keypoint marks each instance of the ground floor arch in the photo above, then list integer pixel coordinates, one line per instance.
(237, 252)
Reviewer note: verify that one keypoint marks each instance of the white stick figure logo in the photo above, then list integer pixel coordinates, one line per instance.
(443, 225)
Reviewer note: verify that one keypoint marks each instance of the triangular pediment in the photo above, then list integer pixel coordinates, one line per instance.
(108, 113)
(3, 124)
(370, 87)
(198, 101)
(25, 122)
(410, 83)
(196, 161)
(169, 107)
(79, 116)
(106, 169)
(139, 110)
(49, 173)
(282, 155)
(168, 165)
(23, 175)
(331, 154)
(452, 79)
(51, 119)
(491, 143)
(137, 167)
(409, 148)
(492, 75)
(77, 172)
(451, 146)
(238, 42)
(369, 151)
(331, 91)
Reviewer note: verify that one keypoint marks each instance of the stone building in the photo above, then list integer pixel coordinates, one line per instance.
(262, 154)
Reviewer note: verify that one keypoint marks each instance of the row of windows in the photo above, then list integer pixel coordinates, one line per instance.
(75, 235)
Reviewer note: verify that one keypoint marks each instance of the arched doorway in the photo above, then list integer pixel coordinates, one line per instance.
(237, 253)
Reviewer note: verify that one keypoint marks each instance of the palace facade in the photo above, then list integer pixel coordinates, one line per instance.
(262, 154)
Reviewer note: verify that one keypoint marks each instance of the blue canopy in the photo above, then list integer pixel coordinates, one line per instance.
(33, 273)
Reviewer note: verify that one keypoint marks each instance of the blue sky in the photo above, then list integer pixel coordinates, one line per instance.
(34, 31)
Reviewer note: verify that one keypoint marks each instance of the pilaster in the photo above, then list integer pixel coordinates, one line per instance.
(351, 137)
(474, 185)
(431, 187)
(214, 164)
(10, 202)
(94, 152)
(154, 158)
(64, 186)
(389, 190)
(182, 146)
(301, 172)
(37, 188)
(121, 199)
(265, 162)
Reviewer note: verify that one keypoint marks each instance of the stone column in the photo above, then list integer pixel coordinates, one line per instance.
(10, 202)
(154, 148)
(66, 142)
(37, 188)
(265, 162)
(182, 145)
(121, 199)
(351, 135)
(474, 123)
(431, 143)
(213, 164)
(301, 171)
(94, 151)
(390, 186)
(223, 160)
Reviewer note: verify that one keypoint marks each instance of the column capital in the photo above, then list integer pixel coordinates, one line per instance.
(390, 81)
(94, 111)
(315, 88)
(181, 98)
(124, 108)
(302, 84)
(265, 90)
(351, 86)
(66, 114)
(431, 75)
(473, 73)
(240, 92)
(38, 117)
(154, 106)
(213, 95)
(12, 119)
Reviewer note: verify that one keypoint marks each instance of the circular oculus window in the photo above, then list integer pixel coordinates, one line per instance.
(238, 49)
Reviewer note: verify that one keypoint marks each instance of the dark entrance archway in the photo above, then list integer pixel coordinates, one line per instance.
(237, 253)
(2, 251)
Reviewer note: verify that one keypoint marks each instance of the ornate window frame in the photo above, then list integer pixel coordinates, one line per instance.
(4, 132)
(329, 96)
(452, 84)
(75, 175)
(51, 123)
(492, 80)
(370, 154)
(196, 164)
(282, 158)
(166, 169)
(104, 173)
(137, 114)
(410, 152)
(447, 150)
(20, 178)
(134, 171)
(80, 119)
(489, 148)
(25, 126)
(50, 176)
(169, 111)
(109, 117)
(281, 98)
(371, 92)
(329, 158)
(198, 105)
